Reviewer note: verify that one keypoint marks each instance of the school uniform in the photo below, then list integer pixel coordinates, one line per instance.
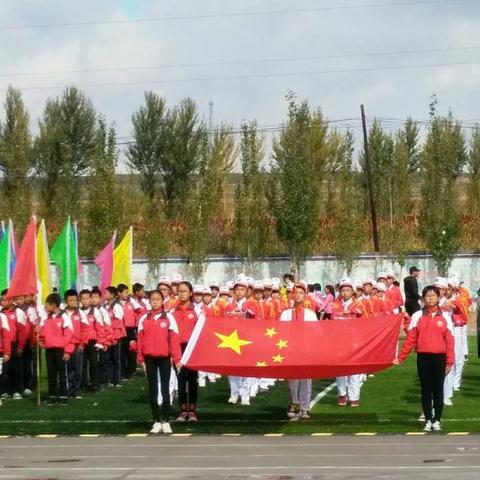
(158, 343)
(129, 358)
(13, 370)
(5, 343)
(186, 317)
(91, 335)
(239, 386)
(56, 334)
(300, 390)
(394, 294)
(430, 333)
(114, 352)
(104, 343)
(349, 386)
(75, 364)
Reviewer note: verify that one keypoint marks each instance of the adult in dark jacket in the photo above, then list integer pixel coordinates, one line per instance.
(410, 287)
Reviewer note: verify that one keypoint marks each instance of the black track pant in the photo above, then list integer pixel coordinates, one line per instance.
(431, 371)
(187, 382)
(158, 369)
(12, 378)
(90, 366)
(27, 366)
(129, 360)
(56, 372)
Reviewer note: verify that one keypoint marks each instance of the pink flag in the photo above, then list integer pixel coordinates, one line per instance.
(104, 261)
(24, 280)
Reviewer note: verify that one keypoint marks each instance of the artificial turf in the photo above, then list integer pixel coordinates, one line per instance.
(390, 403)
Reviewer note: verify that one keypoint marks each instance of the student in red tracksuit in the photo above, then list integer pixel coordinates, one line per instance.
(393, 293)
(158, 345)
(430, 333)
(56, 336)
(186, 318)
(114, 354)
(129, 357)
(12, 382)
(91, 333)
(75, 365)
(105, 339)
(5, 345)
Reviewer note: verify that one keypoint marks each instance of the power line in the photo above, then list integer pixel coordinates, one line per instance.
(241, 62)
(253, 76)
(225, 15)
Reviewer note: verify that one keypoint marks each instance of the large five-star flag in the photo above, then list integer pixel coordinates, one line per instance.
(293, 350)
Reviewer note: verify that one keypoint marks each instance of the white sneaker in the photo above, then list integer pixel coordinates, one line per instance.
(17, 396)
(428, 426)
(27, 391)
(157, 428)
(448, 402)
(436, 427)
(202, 382)
(166, 428)
(421, 418)
(245, 401)
(233, 399)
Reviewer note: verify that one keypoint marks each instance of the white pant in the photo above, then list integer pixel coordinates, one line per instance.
(204, 375)
(240, 386)
(454, 378)
(465, 340)
(350, 386)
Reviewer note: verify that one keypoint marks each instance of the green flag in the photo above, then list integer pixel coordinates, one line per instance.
(5, 261)
(64, 254)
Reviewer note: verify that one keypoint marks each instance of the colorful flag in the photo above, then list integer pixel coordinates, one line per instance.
(79, 261)
(122, 260)
(104, 261)
(5, 260)
(294, 350)
(24, 280)
(64, 254)
(13, 249)
(43, 263)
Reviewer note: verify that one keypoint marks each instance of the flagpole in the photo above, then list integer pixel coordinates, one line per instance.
(39, 401)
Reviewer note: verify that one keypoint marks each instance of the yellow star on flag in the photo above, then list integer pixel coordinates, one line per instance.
(261, 364)
(270, 332)
(278, 359)
(232, 341)
(282, 344)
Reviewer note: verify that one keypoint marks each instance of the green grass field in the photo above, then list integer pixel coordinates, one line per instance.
(390, 403)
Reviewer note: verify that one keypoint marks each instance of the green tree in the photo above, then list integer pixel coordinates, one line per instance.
(443, 159)
(187, 136)
(205, 202)
(146, 154)
(104, 203)
(299, 158)
(251, 224)
(473, 188)
(15, 159)
(64, 147)
(346, 199)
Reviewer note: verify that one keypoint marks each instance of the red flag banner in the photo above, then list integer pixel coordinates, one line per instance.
(293, 350)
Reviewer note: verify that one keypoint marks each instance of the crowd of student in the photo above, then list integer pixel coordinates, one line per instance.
(94, 340)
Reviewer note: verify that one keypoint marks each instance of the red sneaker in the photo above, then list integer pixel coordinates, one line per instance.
(192, 417)
(342, 401)
(354, 403)
(183, 417)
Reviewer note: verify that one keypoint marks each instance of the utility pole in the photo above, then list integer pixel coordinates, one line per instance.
(368, 171)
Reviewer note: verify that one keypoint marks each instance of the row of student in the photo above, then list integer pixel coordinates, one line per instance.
(177, 314)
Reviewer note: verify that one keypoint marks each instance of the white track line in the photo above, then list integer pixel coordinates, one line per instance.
(322, 394)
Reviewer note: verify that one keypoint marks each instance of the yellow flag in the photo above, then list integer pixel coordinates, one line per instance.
(122, 261)
(44, 279)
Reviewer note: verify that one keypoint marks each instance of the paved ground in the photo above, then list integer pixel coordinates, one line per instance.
(339, 457)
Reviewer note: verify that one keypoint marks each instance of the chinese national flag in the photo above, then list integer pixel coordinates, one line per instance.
(293, 350)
